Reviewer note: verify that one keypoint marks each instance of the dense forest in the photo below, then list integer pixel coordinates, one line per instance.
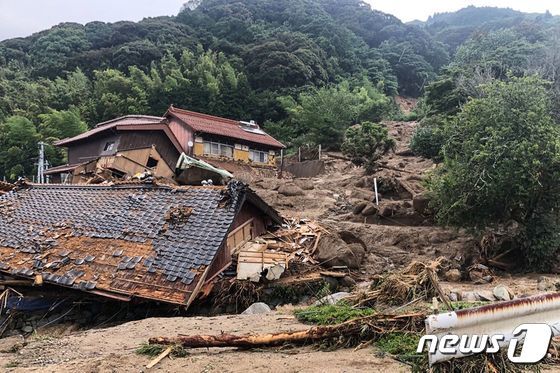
(305, 69)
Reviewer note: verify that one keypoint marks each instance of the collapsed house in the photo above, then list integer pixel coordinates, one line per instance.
(127, 241)
(130, 145)
(118, 148)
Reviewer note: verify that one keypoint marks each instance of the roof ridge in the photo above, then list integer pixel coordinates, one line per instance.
(160, 119)
(203, 115)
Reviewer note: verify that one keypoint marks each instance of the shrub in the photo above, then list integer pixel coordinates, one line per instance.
(365, 143)
(502, 164)
(427, 142)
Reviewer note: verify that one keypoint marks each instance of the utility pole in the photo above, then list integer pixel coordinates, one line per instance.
(41, 164)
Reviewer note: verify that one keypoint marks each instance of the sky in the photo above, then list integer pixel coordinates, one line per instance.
(24, 17)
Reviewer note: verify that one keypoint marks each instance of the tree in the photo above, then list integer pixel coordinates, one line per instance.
(18, 147)
(502, 164)
(321, 116)
(365, 143)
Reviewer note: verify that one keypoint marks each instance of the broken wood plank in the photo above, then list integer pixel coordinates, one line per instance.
(160, 357)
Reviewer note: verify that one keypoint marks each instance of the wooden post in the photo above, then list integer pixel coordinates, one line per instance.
(299, 153)
(281, 163)
(319, 151)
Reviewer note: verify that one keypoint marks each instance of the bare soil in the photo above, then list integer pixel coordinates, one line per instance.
(113, 350)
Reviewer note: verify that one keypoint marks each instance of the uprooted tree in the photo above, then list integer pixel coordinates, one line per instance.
(365, 143)
(502, 165)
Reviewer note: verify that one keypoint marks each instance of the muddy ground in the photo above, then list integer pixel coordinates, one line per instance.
(113, 350)
(396, 232)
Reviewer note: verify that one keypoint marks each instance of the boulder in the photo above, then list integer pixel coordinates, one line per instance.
(453, 275)
(258, 308)
(332, 299)
(420, 203)
(290, 190)
(502, 293)
(485, 295)
(333, 251)
(469, 296)
(387, 210)
(359, 207)
(369, 209)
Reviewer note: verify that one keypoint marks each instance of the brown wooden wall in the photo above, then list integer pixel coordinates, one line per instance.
(182, 132)
(223, 257)
(92, 148)
(130, 140)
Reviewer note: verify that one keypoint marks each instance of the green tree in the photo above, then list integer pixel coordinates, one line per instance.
(501, 164)
(365, 143)
(321, 116)
(18, 147)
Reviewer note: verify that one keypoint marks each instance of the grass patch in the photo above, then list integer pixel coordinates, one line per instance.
(150, 350)
(462, 305)
(403, 347)
(155, 350)
(331, 314)
(399, 343)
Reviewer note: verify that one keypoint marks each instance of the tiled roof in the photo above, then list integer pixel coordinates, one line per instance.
(221, 126)
(142, 240)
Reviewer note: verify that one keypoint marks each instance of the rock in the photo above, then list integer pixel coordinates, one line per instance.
(333, 251)
(420, 203)
(332, 299)
(453, 275)
(369, 209)
(546, 284)
(27, 329)
(386, 210)
(485, 295)
(258, 308)
(469, 296)
(502, 293)
(358, 208)
(453, 296)
(290, 190)
(348, 281)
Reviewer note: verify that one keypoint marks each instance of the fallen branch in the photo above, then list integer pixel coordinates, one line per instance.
(365, 327)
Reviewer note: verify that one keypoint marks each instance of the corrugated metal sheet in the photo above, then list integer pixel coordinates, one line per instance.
(498, 318)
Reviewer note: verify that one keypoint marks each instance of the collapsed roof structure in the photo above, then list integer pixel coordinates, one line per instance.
(128, 240)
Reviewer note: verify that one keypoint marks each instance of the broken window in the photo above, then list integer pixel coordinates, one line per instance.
(152, 162)
(109, 146)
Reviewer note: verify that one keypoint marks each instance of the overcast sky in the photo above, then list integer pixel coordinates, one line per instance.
(24, 17)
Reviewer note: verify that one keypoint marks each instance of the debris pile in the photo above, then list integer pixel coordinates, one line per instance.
(270, 255)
